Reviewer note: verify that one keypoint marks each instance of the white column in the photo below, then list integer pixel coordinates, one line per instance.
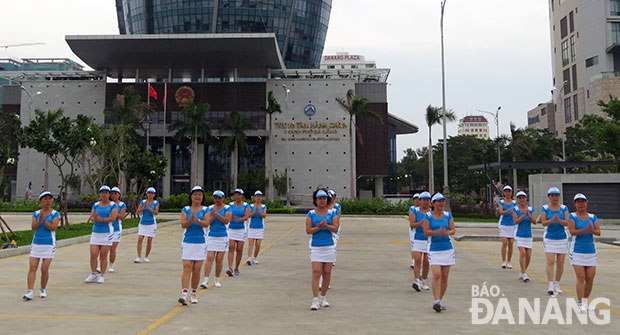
(167, 177)
(378, 187)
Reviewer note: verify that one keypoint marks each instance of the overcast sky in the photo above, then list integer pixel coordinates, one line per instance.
(497, 51)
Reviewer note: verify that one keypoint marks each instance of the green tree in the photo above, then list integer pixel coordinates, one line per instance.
(144, 169)
(63, 140)
(272, 107)
(355, 107)
(434, 116)
(193, 125)
(234, 131)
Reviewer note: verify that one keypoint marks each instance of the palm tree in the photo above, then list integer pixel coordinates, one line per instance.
(433, 117)
(236, 128)
(272, 107)
(355, 107)
(193, 124)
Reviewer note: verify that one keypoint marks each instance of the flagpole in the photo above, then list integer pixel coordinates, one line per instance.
(148, 103)
(165, 96)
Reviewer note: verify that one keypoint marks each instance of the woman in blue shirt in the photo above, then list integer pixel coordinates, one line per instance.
(438, 227)
(554, 217)
(104, 212)
(419, 241)
(506, 226)
(194, 245)
(115, 196)
(44, 223)
(237, 231)
(149, 209)
(416, 204)
(218, 217)
(524, 217)
(583, 226)
(256, 231)
(321, 224)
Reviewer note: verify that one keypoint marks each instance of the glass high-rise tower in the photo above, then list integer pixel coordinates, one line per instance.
(300, 26)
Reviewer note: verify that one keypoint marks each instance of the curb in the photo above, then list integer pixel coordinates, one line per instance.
(484, 238)
(25, 249)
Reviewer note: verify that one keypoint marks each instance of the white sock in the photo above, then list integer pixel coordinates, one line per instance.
(184, 291)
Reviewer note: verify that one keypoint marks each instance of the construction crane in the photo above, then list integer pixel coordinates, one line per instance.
(7, 46)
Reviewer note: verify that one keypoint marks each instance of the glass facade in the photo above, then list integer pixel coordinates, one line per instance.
(300, 26)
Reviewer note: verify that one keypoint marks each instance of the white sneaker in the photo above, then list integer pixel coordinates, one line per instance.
(526, 278)
(424, 286)
(557, 289)
(28, 295)
(590, 306)
(315, 304)
(503, 265)
(249, 261)
(137, 260)
(146, 260)
(508, 265)
(193, 299)
(323, 301)
(100, 280)
(42, 293)
(550, 289)
(183, 299)
(218, 284)
(417, 285)
(111, 268)
(91, 278)
(582, 308)
(205, 283)
(255, 261)
(443, 307)
(520, 276)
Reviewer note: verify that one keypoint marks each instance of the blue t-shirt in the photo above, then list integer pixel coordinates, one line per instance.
(337, 209)
(194, 233)
(116, 224)
(555, 231)
(257, 221)
(147, 217)
(104, 213)
(524, 229)
(506, 219)
(584, 243)
(43, 235)
(323, 237)
(439, 242)
(419, 231)
(217, 227)
(237, 212)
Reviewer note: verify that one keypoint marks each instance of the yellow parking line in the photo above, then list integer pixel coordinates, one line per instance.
(179, 308)
(87, 287)
(73, 317)
(534, 275)
(399, 242)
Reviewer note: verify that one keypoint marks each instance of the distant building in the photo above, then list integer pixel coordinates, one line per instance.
(345, 61)
(542, 117)
(474, 125)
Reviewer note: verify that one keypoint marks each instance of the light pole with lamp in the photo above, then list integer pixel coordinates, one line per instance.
(286, 93)
(446, 190)
(46, 176)
(499, 156)
(559, 93)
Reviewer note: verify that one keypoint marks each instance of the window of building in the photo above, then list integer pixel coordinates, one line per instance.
(567, 111)
(563, 28)
(573, 52)
(571, 22)
(566, 82)
(576, 107)
(592, 61)
(543, 111)
(565, 59)
(574, 70)
(615, 32)
(331, 66)
(614, 7)
(354, 66)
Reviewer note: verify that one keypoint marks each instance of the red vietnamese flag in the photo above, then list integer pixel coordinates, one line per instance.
(152, 92)
(165, 94)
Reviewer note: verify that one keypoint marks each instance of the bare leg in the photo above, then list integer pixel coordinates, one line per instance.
(104, 258)
(436, 281)
(187, 271)
(196, 266)
(327, 276)
(580, 272)
(94, 253)
(504, 247)
(522, 257)
(140, 239)
(149, 245)
(219, 263)
(209, 263)
(317, 272)
(417, 260)
(257, 250)
(250, 246)
(528, 257)
(45, 271)
(113, 252)
(232, 245)
(425, 266)
(550, 264)
(445, 272)
(32, 272)
(239, 254)
(510, 243)
(560, 268)
(590, 273)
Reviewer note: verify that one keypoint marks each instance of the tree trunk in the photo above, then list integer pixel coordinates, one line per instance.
(431, 172)
(234, 165)
(270, 171)
(352, 157)
(194, 169)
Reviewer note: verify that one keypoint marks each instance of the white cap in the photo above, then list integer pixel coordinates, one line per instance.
(553, 190)
(150, 190)
(332, 193)
(425, 195)
(580, 196)
(258, 193)
(238, 190)
(437, 196)
(197, 188)
(45, 193)
(218, 193)
(507, 188)
(116, 189)
(416, 196)
(104, 188)
(521, 194)
(321, 194)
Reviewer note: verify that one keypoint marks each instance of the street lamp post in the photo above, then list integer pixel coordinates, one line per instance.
(286, 92)
(499, 146)
(559, 93)
(443, 111)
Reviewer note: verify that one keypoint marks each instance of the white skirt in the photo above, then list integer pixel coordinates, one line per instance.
(556, 246)
(419, 246)
(507, 231)
(116, 236)
(42, 250)
(104, 239)
(149, 230)
(257, 234)
(524, 242)
(218, 244)
(443, 258)
(193, 251)
(580, 259)
(325, 254)
(237, 234)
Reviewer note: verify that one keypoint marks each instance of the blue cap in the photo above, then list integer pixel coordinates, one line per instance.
(258, 193)
(45, 193)
(507, 188)
(321, 194)
(104, 188)
(425, 195)
(416, 196)
(197, 188)
(150, 190)
(553, 190)
(521, 194)
(218, 193)
(238, 190)
(437, 197)
(580, 196)
(116, 189)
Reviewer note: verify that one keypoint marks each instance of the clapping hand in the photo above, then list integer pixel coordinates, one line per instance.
(443, 231)
(323, 224)
(589, 228)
